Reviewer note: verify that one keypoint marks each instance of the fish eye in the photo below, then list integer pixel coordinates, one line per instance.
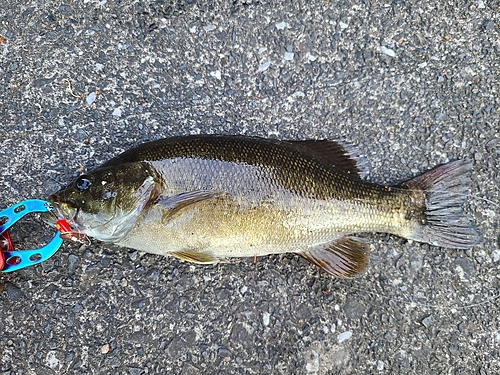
(83, 183)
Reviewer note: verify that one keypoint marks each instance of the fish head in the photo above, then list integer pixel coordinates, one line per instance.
(105, 203)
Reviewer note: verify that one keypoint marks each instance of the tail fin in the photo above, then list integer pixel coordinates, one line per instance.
(445, 224)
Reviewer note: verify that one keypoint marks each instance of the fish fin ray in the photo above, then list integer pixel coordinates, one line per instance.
(182, 200)
(196, 256)
(340, 156)
(345, 257)
(445, 224)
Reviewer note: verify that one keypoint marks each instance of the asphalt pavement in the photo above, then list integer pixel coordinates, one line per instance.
(411, 84)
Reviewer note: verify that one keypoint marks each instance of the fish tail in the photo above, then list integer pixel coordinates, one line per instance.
(443, 222)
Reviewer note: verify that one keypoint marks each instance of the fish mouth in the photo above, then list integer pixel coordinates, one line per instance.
(64, 211)
(49, 218)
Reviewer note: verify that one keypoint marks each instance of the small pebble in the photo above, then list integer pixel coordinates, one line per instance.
(282, 25)
(117, 112)
(209, 27)
(265, 318)
(51, 360)
(380, 365)
(427, 322)
(91, 98)
(288, 56)
(105, 349)
(72, 259)
(264, 66)
(310, 56)
(344, 336)
(122, 46)
(387, 51)
(216, 74)
(343, 25)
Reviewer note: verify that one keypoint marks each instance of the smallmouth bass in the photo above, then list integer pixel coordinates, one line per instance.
(206, 198)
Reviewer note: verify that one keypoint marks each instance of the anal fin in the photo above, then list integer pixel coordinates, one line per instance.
(346, 257)
(195, 256)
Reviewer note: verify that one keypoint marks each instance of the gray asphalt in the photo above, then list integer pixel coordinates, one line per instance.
(412, 84)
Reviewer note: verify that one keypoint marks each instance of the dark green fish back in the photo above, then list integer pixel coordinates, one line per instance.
(318, 169)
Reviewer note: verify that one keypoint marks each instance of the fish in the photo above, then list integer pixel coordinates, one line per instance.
(208, 198)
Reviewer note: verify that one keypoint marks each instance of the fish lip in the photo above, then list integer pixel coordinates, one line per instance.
(49, 218)
(57, 213)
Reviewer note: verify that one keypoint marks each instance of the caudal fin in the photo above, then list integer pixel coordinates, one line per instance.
(445, 223)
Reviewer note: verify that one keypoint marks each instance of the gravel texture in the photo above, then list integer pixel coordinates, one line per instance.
(411, 83)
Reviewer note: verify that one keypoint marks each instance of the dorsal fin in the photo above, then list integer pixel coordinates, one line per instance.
(332, 153)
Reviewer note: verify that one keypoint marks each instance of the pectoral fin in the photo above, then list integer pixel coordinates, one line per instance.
(346, 257)
(179, 201)
(202, 257)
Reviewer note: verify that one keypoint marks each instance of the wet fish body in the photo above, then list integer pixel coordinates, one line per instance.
(208, 198)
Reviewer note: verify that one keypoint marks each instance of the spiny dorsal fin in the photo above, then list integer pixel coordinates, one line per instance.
(346, 257)
(332, 153)
(201, 257)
